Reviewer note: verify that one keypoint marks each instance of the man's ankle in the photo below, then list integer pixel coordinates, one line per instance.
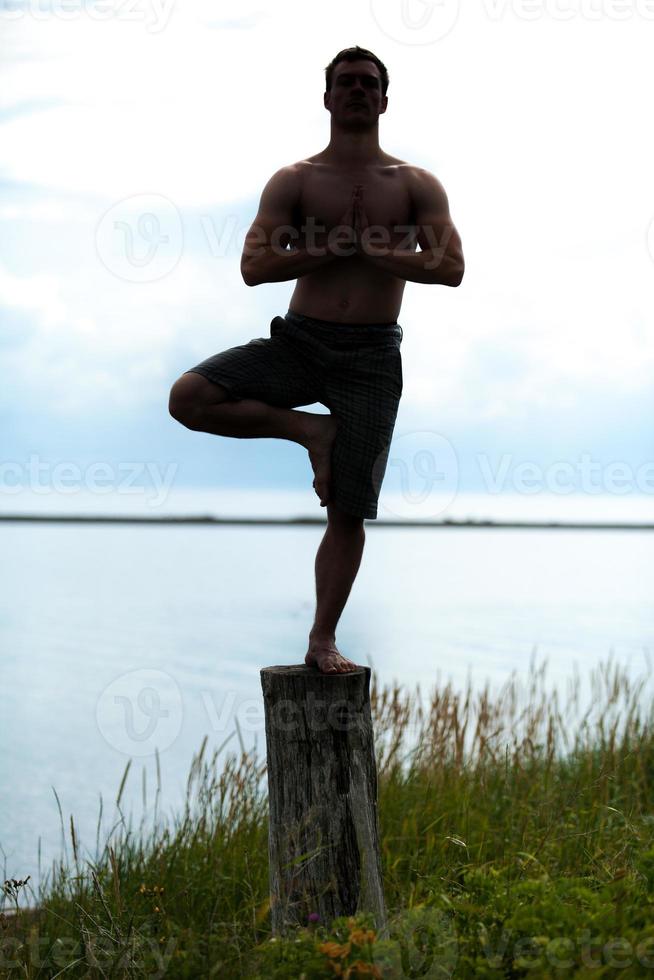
(322, 635)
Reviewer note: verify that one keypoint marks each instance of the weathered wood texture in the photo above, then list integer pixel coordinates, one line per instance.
(322, 787)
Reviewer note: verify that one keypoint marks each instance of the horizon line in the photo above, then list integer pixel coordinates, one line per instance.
(318, 521)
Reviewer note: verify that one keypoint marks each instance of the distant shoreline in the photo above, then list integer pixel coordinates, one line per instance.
(319, 522)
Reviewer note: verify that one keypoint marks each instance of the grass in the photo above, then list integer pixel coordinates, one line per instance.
(517, 839)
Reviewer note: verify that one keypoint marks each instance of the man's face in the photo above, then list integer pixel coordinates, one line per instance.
(355, 99)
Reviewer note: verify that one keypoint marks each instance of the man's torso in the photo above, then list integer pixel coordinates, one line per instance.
(350, 289)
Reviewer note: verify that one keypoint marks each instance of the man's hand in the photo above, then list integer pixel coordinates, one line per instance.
(352, 226)
(344, 234)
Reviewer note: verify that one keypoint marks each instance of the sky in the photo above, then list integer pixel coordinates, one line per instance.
(135, 140)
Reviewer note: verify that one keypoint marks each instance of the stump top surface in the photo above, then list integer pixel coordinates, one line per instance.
(294, 670)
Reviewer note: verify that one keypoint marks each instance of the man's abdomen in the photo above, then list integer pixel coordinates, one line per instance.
(353, 296)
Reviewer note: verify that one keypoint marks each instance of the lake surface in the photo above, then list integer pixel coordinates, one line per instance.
(117, 639)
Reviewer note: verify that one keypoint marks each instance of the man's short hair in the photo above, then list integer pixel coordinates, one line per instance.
(356, 54)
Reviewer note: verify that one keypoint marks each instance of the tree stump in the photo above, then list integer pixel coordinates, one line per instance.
(323, 841)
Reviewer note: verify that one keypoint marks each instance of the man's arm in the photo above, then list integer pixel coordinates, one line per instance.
(265, 255)
(440, 260)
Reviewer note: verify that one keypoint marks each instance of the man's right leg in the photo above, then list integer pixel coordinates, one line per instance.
(204, 406)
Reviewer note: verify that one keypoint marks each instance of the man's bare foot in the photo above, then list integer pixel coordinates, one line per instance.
(320, 434)
(324, 655)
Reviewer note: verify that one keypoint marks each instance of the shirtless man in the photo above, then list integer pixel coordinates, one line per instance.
(344, 223)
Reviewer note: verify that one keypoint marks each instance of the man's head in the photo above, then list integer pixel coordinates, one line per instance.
(355, 88)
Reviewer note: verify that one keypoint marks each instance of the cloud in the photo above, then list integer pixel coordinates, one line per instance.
(552, 315)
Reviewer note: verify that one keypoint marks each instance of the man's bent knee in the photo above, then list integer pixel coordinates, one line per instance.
(341, 521)
(190, 394)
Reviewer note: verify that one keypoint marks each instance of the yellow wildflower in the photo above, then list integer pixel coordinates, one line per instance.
(366, 969)
(334, 950)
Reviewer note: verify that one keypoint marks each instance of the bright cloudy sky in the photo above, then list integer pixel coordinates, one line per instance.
(534, 114)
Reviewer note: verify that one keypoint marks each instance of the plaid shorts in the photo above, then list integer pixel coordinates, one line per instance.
(355, 370)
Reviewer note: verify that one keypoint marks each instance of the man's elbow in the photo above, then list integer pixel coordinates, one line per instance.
(449, 269)
(457, 275)
(248, 275)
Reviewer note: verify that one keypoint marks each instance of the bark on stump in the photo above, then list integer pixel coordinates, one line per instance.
(323, 841)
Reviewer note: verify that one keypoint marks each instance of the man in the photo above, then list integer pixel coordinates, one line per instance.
(344, 223)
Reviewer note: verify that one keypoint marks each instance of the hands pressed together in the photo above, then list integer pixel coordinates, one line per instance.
(354, 221)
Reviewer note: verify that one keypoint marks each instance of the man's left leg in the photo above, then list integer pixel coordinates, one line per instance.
(337, 563)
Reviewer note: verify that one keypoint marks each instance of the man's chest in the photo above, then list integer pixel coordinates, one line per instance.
(326, 198)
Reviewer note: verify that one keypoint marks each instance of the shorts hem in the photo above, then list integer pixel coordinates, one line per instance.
(369, 514)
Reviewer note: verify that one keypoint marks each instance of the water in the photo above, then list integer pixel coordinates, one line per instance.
(117, 639)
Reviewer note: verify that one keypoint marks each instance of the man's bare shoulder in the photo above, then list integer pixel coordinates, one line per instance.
(424, 179)
(426, 191)
(287, 173)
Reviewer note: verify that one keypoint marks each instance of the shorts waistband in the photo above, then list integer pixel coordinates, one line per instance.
(345, 329)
